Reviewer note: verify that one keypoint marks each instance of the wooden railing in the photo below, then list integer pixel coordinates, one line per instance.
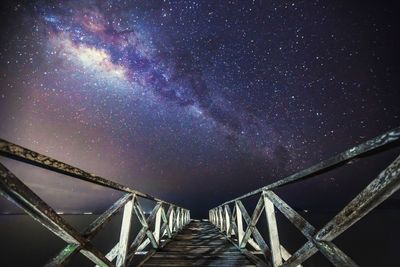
(231, 217)
(163, 222)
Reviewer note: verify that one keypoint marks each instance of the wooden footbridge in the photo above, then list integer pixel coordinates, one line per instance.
(229, 237)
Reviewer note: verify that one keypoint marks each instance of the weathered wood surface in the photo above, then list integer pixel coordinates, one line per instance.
(199, 244)
(382, 187)
(155, 227)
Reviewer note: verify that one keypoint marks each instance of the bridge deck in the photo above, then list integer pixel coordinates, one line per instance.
(199, 244)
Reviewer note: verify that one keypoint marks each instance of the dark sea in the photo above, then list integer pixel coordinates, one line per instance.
(373, 241)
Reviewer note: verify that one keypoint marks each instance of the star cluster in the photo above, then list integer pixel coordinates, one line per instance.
(185, 99)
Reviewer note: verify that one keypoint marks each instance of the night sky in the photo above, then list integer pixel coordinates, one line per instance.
(195, 102)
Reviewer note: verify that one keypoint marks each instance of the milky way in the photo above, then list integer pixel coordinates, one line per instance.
(117, 53)
(190, 99)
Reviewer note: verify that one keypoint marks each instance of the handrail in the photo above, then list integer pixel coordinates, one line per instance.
(369, 146)
(13, 151)
(157, 228)
(232, 223)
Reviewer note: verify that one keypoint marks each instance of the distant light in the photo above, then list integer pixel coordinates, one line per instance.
(86, 213)
(305, 211)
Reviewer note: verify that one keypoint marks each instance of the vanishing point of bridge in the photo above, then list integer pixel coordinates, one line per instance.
(229, 237)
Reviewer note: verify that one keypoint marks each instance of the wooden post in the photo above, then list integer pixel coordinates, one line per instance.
(222, 215)
(124, 235)
(239, 221)
(157, 226)
(272, 231)
(171, 220)
(227, 221)
(178, 218)
(216, 212)
(217, 219)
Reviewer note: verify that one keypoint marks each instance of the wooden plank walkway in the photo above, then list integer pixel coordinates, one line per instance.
(199, 244)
